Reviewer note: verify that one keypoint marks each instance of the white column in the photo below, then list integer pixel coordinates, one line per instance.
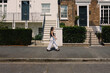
(26, 24)
(13, 25)
(88, 15)
(59, 36)
(78, 13)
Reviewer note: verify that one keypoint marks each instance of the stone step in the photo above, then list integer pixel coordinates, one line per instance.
(50, 25)
(47, 28)
(91, 38)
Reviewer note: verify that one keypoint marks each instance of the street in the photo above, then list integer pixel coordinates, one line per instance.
(22, 52)
(56, 67)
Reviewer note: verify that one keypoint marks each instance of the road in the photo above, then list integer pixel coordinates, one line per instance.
(56, 67)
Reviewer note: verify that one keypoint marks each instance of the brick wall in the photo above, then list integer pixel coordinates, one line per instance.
(94, 16)
(71, 12)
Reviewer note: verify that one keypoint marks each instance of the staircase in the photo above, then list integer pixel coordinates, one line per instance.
(48, 25)
(94, 39)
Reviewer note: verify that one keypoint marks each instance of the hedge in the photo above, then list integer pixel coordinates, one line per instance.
(15, 36)
(106, 34)
(38, 37)
(74, 34)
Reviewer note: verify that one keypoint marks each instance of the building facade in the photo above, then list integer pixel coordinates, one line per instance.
(28, 13)
(92, 13)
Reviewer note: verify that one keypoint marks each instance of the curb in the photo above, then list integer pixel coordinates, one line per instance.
(55, 60)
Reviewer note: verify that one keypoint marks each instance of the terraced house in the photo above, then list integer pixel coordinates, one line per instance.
(92, 13)
(29, 14)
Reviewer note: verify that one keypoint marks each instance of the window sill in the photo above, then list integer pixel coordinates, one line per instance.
(105, 24)
(46, 14)
(64, 19)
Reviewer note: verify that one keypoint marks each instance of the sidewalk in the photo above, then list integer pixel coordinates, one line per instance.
(66, 53)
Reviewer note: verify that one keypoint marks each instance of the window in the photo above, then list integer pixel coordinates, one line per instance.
(105, 14)
(40, 30)
(45, 8)
(3, 1)
(0, 10)
(5, 8)
(64, 12)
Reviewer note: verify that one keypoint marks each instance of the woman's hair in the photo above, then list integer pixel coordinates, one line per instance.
(51, 29)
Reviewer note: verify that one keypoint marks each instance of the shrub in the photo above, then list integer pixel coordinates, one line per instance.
(99, 35)
(62, 24)
(15, 36)
(74, 34)
(106, 34)
(38, 37)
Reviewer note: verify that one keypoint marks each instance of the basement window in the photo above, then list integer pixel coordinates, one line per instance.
(40, 30)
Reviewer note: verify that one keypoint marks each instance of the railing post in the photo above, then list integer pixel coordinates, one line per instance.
(43, 26)
(90, 38)
(13, 24)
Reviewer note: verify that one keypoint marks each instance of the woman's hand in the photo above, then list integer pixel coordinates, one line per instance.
(55, 38)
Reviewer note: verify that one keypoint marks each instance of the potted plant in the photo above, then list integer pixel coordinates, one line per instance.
(76, 20)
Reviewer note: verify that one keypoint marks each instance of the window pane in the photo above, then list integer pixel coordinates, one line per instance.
(63, 11)
(101, 13)
(106, 16)
(0, 1)
(5, 1)
(5, 8)
(102, 20)
(105, 6)
(109, 16)
(40, 31)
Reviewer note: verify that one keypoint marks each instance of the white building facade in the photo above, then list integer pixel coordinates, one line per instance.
(29, 13)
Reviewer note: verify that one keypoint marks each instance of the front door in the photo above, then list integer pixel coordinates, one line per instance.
(83, 15)
(25, 10)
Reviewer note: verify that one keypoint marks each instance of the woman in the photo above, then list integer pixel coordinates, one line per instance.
(52, 40)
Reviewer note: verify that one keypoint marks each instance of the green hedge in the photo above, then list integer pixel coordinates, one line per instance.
(74, 34)
(106, 34)
(38, 37)
(15, 36)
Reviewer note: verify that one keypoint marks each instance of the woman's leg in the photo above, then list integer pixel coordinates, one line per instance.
(50, 45)
(55, 45)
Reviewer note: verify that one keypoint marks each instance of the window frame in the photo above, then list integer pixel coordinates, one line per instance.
(103, 15)
(46, 8)
(62, 18)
